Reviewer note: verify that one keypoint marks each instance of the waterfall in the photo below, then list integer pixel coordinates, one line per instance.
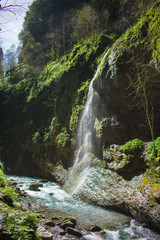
(81, 166)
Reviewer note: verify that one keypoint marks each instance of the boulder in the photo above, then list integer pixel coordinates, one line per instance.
(95, 229)
(35, 186)
(126, 165)
(74, 232)
(65, 225)
(44, 234)
(43, 181)
(50, 223)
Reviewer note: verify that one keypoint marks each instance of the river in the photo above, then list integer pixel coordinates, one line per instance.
(55, 202)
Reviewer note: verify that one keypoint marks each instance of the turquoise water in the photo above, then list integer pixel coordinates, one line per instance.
(56, 202)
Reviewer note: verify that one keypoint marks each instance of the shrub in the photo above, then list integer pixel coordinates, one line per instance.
(63, 138)
(1, 165)
(20, 225)
(3, 180)
(153, 171)
(36, 137)
(9, 195)
(133, 146)
(157, 147)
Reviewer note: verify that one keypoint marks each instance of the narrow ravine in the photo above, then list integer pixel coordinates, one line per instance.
(52, 201)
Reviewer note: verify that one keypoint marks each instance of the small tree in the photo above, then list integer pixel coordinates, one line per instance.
(10, 58)
(85, 22)
(140, 76)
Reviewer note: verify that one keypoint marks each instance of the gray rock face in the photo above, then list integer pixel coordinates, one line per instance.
(108, 189)
(126, 165)
(122, 114)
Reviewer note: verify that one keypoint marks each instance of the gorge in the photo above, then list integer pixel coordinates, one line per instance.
(82, 106)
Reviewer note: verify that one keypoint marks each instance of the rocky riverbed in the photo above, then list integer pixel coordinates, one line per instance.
(62, 217)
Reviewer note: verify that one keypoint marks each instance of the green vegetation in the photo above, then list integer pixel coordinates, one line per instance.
(136, 146)
(17, 222)
(133, 146)
(20, 225)
(153, 171)
(62, 44)
(3, 180)
(83, 55)
(146, 33)
(132, 152)
(78, 105)
(51, 29)
(63, 139)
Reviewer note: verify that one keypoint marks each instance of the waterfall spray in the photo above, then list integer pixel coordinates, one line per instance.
(81, 166)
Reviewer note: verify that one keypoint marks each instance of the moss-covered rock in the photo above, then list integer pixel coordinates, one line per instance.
(127, 160)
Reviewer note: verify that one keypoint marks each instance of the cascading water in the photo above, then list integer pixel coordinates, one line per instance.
(85, 136)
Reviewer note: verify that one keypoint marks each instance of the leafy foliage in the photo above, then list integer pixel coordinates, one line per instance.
(154, 161)
(17, 222)
(133, 146)
(20, 225)
(79, 101)
(145, 34)
(63, 139)
(3, 180)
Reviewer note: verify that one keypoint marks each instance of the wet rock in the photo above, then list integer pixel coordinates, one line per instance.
(67, 224)
(51, 194)
(35, 186)
(95, 229)
(70, 218)
(50, 223)
(44, 234)
(55, 218)
(62, 233)
(58, 172)
(74, 232)
(113, 191)
(43, 181)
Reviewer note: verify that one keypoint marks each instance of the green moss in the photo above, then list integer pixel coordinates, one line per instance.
(157, 147)
(3, 180)
(19, 224)
(80, 98)
(98, 128)
(153, 171)
(128, 158)
(146, 33)
(83, 55)
(133, 146)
